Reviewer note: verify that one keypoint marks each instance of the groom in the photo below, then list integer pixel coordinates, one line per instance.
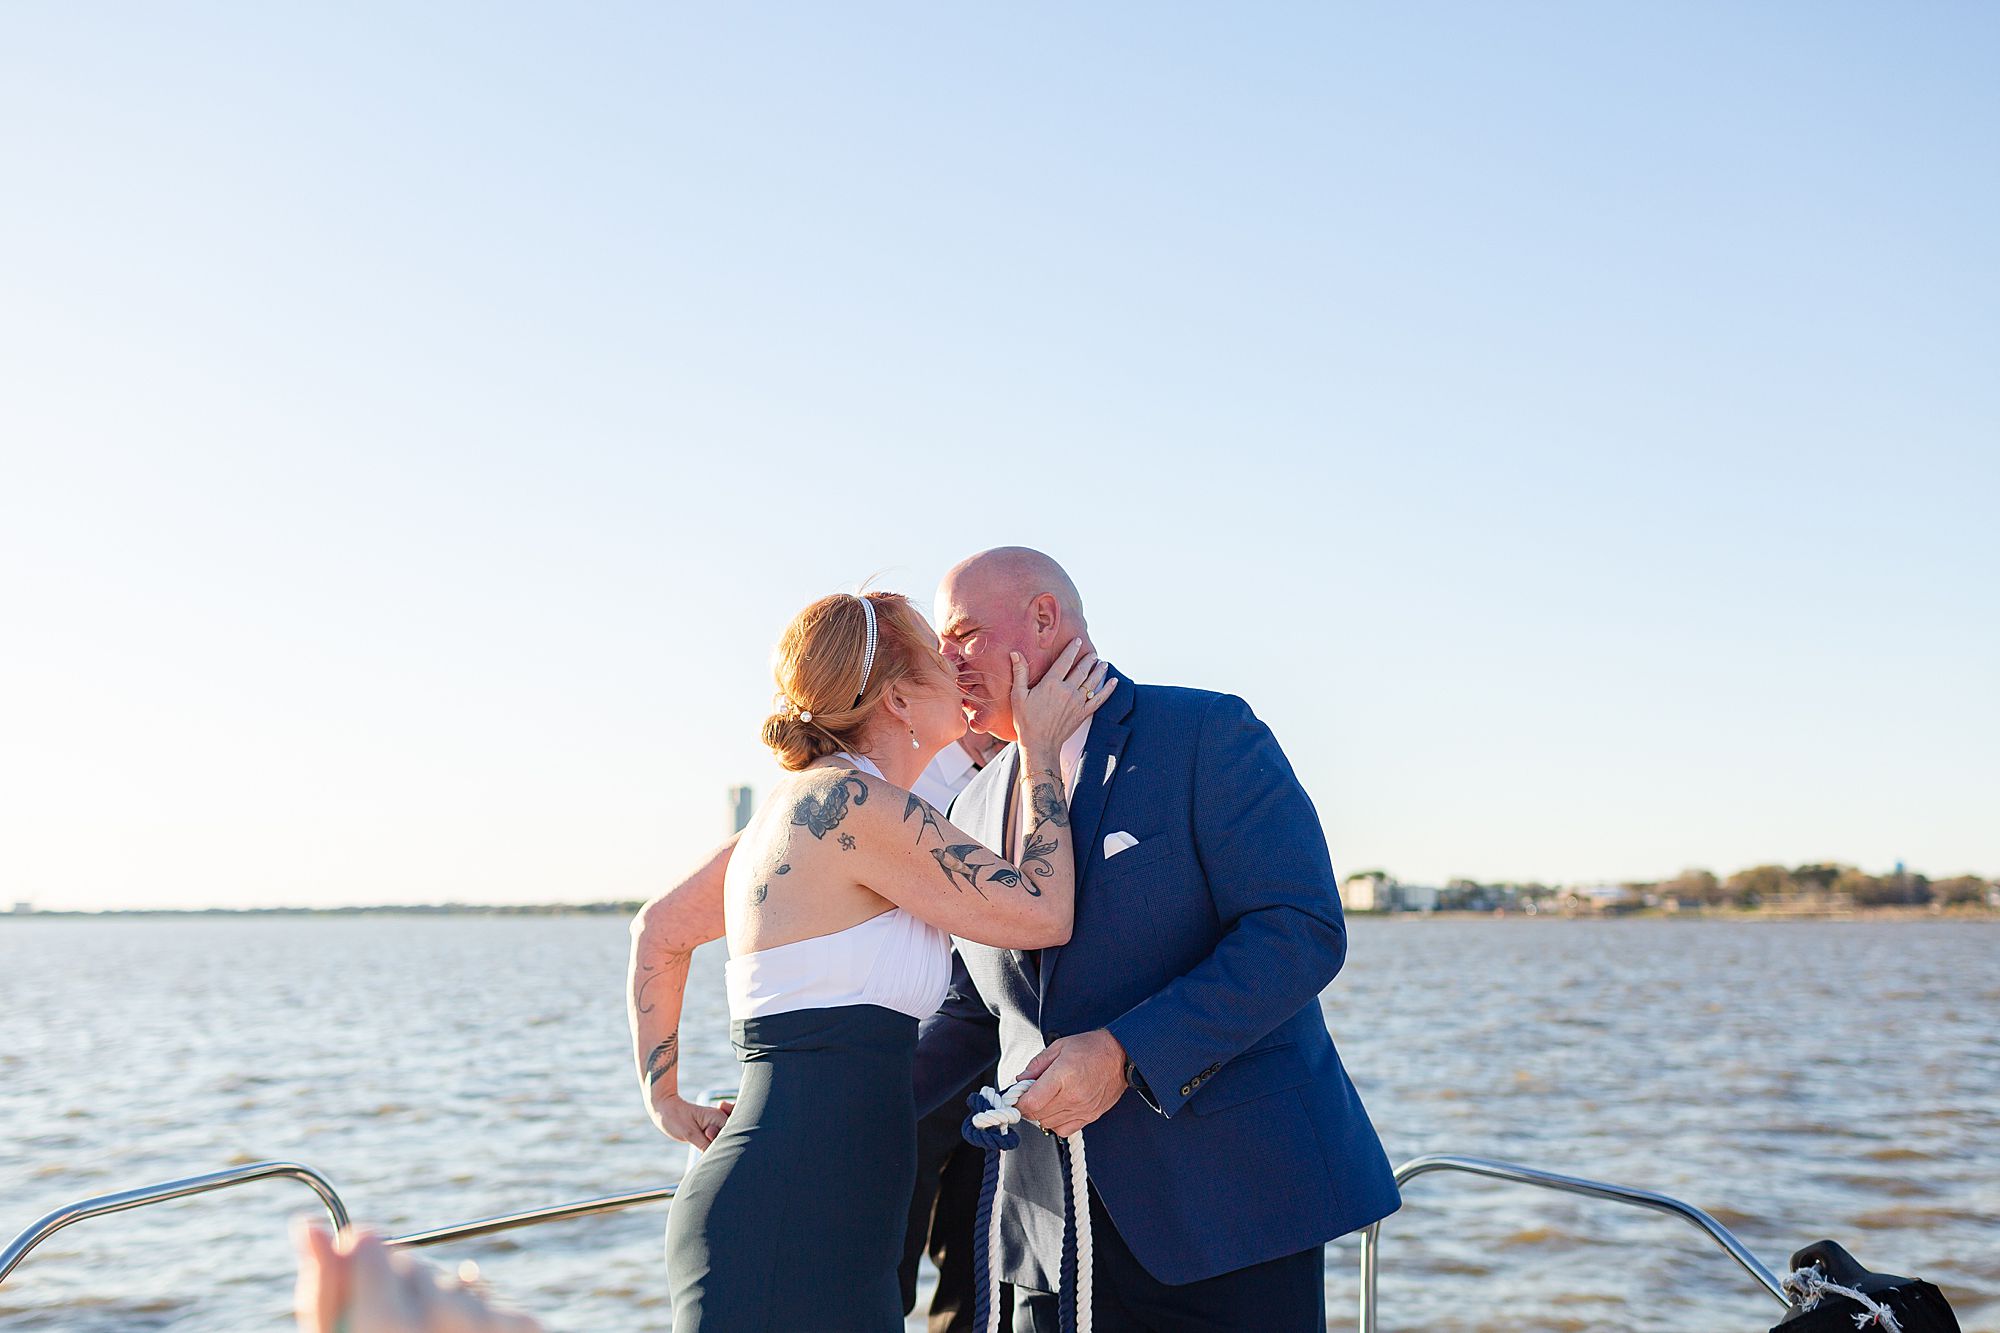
(1180, 1026)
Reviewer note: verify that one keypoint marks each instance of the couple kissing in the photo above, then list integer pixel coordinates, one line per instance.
(1145, 914)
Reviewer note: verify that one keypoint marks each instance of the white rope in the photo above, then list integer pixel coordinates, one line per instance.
(1807, 1285)
(1000, 1108)
(1000, 1113)
(1079, 1190)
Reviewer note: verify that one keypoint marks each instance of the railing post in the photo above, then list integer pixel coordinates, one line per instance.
(1526, 1175)
(1370, 1238)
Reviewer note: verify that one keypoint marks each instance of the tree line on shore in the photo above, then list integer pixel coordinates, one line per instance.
(1760, 886)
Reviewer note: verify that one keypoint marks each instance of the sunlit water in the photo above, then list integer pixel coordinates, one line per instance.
(1798, 1080)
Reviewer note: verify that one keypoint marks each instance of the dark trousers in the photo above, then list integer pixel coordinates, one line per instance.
(1285, 1295)
(943, 1213)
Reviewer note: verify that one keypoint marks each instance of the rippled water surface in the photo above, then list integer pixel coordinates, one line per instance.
(1798, 1080)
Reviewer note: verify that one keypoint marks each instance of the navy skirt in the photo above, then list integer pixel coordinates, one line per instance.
(793, 1219)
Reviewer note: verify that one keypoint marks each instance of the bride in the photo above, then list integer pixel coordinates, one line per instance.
(840, 900)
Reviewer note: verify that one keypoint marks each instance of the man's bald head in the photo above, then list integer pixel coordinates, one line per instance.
(1011, 599)
(1018, 571)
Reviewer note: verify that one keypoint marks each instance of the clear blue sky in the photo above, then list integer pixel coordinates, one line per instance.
(1572, 427)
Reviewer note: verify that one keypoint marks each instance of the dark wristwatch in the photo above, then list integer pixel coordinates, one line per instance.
(1135, 1079)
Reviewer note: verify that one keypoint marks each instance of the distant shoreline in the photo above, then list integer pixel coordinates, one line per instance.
(381, 909)
(1830, 913)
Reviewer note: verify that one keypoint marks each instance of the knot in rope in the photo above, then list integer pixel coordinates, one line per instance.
(991, 1125)
(1807, 1286)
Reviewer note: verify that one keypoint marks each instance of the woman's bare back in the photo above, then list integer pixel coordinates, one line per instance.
(794, 875)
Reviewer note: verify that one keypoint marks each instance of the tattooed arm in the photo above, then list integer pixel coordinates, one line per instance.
(920, 861)
(665, 934)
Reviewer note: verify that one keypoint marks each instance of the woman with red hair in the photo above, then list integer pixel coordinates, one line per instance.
(840, 901)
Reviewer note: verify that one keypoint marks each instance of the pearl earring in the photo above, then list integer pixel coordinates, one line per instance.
(913, 739)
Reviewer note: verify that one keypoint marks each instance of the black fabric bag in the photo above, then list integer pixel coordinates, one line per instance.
(1917, 1307)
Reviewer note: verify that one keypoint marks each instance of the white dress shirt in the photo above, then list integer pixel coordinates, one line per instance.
(953, 770)
(1072, 755)
(946, 776)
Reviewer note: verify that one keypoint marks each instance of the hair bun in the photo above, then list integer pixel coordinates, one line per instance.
(796, 742)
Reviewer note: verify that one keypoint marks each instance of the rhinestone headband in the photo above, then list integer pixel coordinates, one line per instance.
(867, 661)
(868, 656)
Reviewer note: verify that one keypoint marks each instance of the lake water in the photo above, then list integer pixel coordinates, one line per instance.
(1798, 1080)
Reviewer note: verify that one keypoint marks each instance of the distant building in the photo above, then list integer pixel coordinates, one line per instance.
(742, 804)
(22, 909)
(1366, 892)
(1413, 898)
(1379, 891)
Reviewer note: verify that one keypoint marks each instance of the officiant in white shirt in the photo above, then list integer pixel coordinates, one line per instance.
(946, 1200)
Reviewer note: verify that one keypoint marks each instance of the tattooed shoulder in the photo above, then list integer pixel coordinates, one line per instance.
(821, 807)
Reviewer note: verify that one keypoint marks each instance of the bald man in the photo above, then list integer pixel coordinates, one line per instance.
(1180, 1027)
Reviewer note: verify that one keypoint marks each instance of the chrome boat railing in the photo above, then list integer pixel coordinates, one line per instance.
(1526, 1175)
(17, 1249)
(560, 1212)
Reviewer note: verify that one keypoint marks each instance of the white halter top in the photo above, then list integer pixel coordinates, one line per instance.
(894, 960)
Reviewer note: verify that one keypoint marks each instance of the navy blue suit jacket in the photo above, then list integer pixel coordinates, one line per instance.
(1203, 949)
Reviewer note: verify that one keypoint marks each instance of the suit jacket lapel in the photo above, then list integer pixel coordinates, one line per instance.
(1094, 771)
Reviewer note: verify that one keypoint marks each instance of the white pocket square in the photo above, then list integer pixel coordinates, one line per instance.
(1115, 843)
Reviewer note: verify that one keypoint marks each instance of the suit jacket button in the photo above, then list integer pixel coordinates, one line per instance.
(1187, 1089)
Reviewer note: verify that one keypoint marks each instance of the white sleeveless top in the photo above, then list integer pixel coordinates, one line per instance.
(894, 960)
